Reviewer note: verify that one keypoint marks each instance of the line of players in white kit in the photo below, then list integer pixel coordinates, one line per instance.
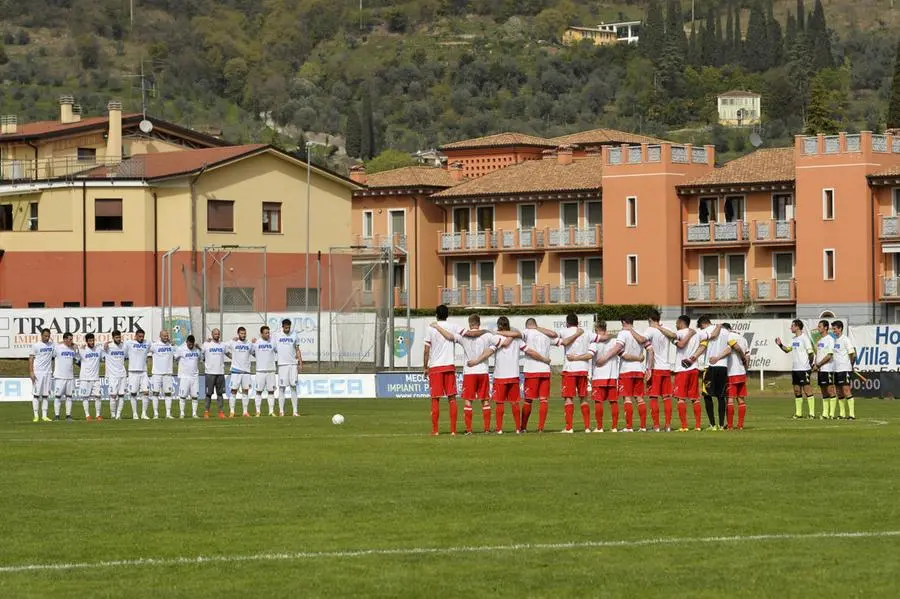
(52, 371)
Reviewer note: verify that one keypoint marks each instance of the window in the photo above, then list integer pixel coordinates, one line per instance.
(220, 216)
(527, 273)
(71, 304)
(828, 265)
(708, 210)
(895, 260)
(735, 267)
(709, 269)
(108, 304)
(35, 304)
(86, 155)
(368, 224)
(631, 211)
(484, 216)
(783, 263)
(460, 220)
(33, 216)
(126, 304)
(897, 202)
(296, 299)
(594, 213)
(107, 215)
(783, 207)
(485, 275)
(827, 204)
(398, 222)
(462, 272)
(400, 276)
(594, 269)
(237, 299)
(569, 271)
(367, 280)
(527, 216)
(631, 270)
(6, 217)
(569, 215)
(271, 217)
(734, 209)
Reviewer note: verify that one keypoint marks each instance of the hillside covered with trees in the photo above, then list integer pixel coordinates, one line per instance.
(411, 75)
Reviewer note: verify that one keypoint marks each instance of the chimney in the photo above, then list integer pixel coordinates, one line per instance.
(76, 113)
(548, 155)
(9, 124)
(358, 174)
(66, 110)
(456, 171)
(114, 137)
(593, 152)
(564, 155)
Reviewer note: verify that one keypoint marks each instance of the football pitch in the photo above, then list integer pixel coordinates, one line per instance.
(298, 507)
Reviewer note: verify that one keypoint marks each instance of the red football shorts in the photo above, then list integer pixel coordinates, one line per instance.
(442, 380)
(574, 383)
(687, 384)
(537, 387)
(506, 390)
(737, 386)
(631, 384)
(661, 383)
(476, 386)
(604, 390)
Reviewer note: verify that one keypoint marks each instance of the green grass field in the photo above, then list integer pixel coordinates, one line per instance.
(378, 508)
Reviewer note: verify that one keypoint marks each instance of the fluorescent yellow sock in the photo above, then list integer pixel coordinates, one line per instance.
(811, 405)
(798, 407)
(832, 407)
(842, 405)
(851, 407)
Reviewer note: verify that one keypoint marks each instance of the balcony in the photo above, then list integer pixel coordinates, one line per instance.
(890, 227)
(762, 291)
(378, 243)
(69, 168)
(890, 289)
(521, 240)
(522, 295)
(717, 234)
(774, 232)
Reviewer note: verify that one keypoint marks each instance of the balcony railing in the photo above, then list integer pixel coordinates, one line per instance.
(711, 233)
(773, 231)
(890, 227)
(890, 288)
(570, 238)
(379, 242)
(775, 290)
(522, 295)
(68, 168)
(741, 291)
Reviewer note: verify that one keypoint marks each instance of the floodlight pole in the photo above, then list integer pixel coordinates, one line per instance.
(319, 311)
(391, 332)
(408, 314)
(309, 144)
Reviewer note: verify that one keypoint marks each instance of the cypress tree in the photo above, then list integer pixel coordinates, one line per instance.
(756, 48)
(790, 36)
(695, 48)
(801, 16)
(817, 118)
(367, 146)
(817, 34)
(728, 42)
(718, 45)
(774, 38)
(737, 47)
(354, 134)
(708, 41)
(893, 115)
(653, 32)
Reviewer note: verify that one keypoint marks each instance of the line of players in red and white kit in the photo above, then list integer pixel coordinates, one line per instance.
(629, 365)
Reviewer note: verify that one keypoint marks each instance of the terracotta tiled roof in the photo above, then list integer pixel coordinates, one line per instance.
(171, 164)
(500, 140)
(412, 176)
(604, 137)
(768, 165)
(739, 93)
(533, 176)
(892, 171)
(39, 128)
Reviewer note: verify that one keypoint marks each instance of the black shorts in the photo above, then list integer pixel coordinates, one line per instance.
(826, 378)
(800, 378)
(716, 381)
(842, 378)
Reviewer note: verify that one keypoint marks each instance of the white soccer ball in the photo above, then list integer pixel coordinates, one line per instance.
(337, 419)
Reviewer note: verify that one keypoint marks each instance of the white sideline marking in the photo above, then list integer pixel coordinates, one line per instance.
(404, 551)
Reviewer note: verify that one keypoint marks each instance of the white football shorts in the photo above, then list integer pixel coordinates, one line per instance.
(64, 387)
(162, 383)
(116, 386)
(265, 381)
(189, 386)
(43, 385)
(241, 380)
(89, 389)
(287, 375)
(137, 383)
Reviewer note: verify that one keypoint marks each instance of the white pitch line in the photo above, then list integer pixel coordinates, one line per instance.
(406, 551)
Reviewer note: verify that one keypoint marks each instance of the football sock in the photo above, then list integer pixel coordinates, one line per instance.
(798, 406)
(842, 405)
(682, 413)
(57, 405)
(586, 415)
(113, 406)
(654, 412)
(723, 406)
(36, 406)
(851, 407)
(145, 401)
(248, 400)
(232, 401)
(294, 400)
(614, 412)
(526, 413)
(710, 410)
(44, 406)
(730, 415)
(629, 415)
(270, 401)
(832, 407)
(195, 405)
(667, 408)
(155, 402)
(642, 414)
(435, 413)
(86, 405)
(453, 414)
(569, 410)
(181, 406)
(811, 405)
(281, 399)
(467, 416)
(168, 401)
(542, 414)
(598, 414)
(698, 413)
(501, 409)
(742, 411)
(134, 409)
(68, 406)
(486, 416)
(98, 407)
(517, 416)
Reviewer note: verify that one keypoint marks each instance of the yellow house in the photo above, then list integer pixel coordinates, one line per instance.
(598, 35)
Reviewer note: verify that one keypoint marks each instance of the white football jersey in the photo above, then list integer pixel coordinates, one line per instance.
(801, 347)
(825, 347)
(137, 355)
(506, 359)
(660, 344)
(43, 357)
(163, 357)
(64, 362)
(90, 358)
(688, 350)
(609, 370)
(240, 352)
(632, 348)
(265, 355)
(286, 345)
(115, 360)
(735, 363)
(214, 357)
(843, 347)
(442, 351)
(472, 348)
(540, 343)
(715, 347)
(188, 361)
(579, 346)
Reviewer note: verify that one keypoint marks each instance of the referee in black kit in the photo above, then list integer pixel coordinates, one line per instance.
(715, 380)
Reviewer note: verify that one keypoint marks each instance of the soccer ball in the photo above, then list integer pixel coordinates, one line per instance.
(337, 419)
